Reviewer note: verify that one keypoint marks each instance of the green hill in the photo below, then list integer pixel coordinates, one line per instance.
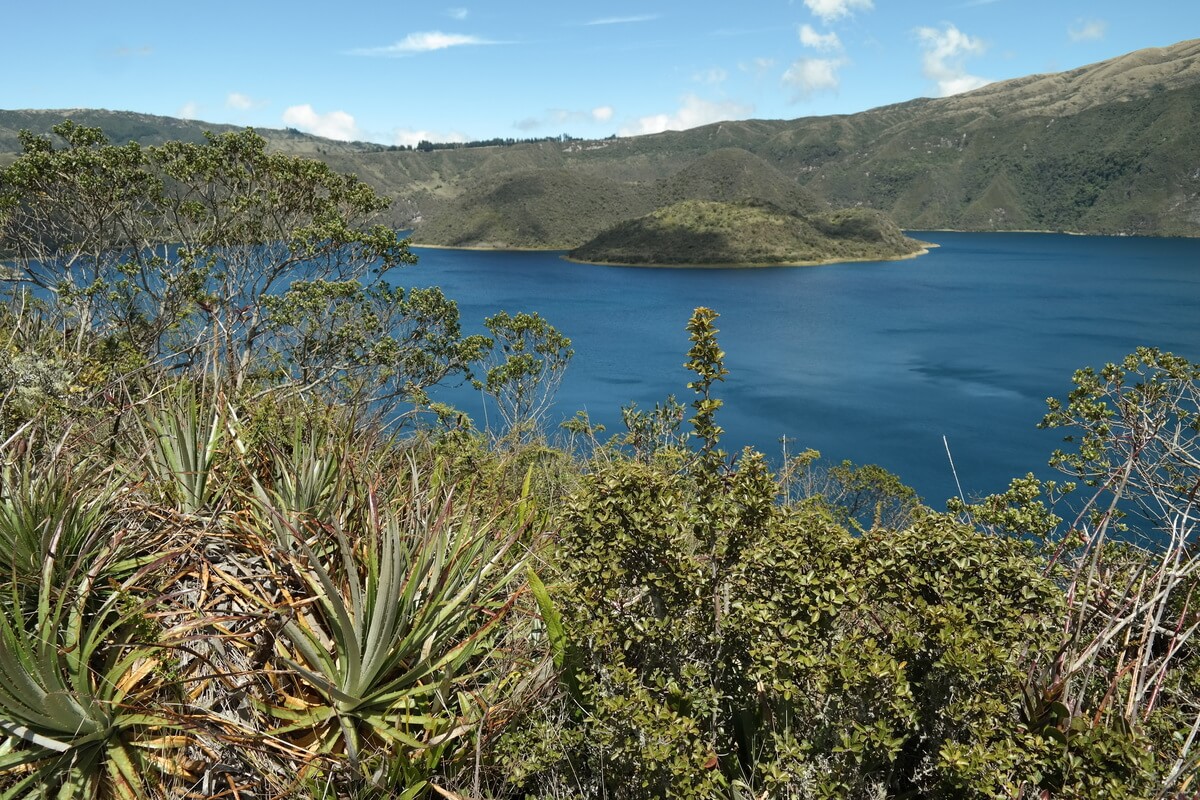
(546, 209)
(147, 129)
(701, 232)
(734, 175)
(561, 208)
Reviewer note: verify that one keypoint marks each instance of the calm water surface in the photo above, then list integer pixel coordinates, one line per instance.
(873, 362)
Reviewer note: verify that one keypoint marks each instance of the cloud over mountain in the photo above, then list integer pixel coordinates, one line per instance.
(693, 112)
(333, 125)
(946, 51)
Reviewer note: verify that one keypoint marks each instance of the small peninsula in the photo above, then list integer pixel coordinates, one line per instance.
(710, 233)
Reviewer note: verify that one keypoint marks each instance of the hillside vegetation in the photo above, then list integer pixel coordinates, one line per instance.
(548, 208)
(563, 209)
(734, 175)
(1106, 148)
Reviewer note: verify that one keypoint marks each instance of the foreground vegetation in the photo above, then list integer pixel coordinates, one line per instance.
(239, 564)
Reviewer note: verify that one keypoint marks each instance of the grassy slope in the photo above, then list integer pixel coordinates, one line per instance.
(546, 208)
(128, 126)
(564, 208)
(734, 175)
(1109, 169)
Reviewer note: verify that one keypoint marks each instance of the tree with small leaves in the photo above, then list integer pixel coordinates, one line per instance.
(225, 255)
(526, 363)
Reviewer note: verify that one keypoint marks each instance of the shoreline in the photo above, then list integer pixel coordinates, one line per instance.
(488, 249)
(727, 265)
(739, 265)
(1058, 233)
(926, 247)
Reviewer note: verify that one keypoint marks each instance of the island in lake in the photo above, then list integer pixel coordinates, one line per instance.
(708, 233)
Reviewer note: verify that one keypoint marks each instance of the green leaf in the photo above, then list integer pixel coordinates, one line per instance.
(551, 618)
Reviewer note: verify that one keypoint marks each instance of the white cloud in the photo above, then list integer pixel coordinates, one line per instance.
(946, 52)
(1087, 29)
(758, 66)
(411, 138)
(239, 101)
(807, 76)
(457, 13)
(694, 111)
(829, 10)
(189, 110)
(560, 117)
(819, 41)
(713, 75)
(422, 43)
(623, 20)
(334, 125)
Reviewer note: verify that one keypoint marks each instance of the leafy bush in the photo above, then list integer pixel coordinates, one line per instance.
(715, 642)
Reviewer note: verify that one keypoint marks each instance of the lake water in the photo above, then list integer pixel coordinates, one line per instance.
(873, 362)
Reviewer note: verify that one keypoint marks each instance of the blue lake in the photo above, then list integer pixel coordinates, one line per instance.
(873, 362)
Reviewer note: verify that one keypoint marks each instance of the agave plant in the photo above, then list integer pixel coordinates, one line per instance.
(49, 512)
(75, 681)
(312, 478)
(186, 436)
(306, 475)
(388, 628)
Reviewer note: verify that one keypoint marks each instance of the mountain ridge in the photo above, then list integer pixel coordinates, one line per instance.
(1111, 147)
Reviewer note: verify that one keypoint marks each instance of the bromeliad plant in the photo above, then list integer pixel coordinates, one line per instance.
(386, 629)
(308, 472)
(50, 512)
(312, 477)
(185, 440)
(79, 685)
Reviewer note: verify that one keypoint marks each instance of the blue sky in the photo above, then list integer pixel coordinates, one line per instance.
(396, 72)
